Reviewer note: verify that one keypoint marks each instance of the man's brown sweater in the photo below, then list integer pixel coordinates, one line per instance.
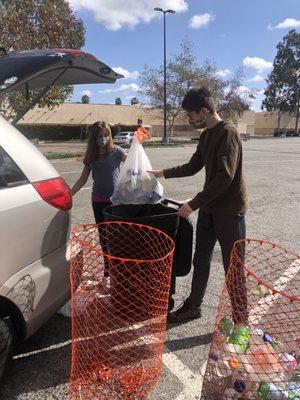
(220, 152)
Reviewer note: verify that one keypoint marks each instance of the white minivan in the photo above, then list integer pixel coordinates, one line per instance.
(35, 202)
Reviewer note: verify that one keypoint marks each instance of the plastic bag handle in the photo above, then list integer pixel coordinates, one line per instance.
(142, 134)
(165, 202)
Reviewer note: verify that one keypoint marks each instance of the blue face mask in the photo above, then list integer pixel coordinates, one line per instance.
(102, 141)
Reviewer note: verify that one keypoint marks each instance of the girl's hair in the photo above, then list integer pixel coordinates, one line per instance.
(92, 151)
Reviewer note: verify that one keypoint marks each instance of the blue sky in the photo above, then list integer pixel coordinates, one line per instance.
(127, 34)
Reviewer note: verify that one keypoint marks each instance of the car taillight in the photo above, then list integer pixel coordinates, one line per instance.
(55, 192)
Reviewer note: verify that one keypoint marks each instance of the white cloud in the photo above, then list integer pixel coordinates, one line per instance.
(201, 20)
(223, 73)
(115, 14)
(257, 63)
(127, 75)
(256, 103)
(243, 89)
(257, 78)
(130, 87)
(288, 23)
(86, 93)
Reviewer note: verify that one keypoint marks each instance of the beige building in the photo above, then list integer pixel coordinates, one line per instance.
(267, 123)
(246, 123)
(79, 114)
(82, 115)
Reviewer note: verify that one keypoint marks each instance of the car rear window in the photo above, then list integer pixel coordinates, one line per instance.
(10, 173)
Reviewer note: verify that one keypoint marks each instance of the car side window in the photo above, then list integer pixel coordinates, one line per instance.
(10, 173)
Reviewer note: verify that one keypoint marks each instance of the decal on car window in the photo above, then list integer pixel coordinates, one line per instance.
(105, 70)
(57, 55)
(8, 82)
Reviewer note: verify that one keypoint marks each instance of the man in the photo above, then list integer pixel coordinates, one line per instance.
(222, 202)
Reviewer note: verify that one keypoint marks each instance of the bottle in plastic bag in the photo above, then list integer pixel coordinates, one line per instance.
(135, 185)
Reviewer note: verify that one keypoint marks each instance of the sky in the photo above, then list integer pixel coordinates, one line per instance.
(127, 34)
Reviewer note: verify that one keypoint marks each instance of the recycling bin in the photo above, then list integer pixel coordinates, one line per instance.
(165, 218)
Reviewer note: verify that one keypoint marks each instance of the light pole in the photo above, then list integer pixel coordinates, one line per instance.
(165, 138)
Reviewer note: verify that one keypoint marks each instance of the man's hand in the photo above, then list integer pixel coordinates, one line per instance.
(158, 173)
(185, 210)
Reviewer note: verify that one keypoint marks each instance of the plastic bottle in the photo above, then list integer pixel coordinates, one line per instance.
(293, 389)
(288, 362)
(240, 338)
(226, 325)
(261, 363)
(270, 391)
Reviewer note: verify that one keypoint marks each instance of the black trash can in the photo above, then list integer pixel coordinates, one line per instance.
(157, 216)
(167, 220)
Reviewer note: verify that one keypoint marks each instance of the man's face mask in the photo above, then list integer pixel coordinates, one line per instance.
(197, 119)
(102, 141)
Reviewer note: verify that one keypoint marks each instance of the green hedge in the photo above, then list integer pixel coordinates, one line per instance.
(52, 132)
(64, 132)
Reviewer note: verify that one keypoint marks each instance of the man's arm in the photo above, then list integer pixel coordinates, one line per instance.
(227, 161)
(191, 168)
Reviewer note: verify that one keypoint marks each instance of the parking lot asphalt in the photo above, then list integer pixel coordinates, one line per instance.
(41, 365)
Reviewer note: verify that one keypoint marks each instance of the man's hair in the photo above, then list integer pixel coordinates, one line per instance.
(197, 98)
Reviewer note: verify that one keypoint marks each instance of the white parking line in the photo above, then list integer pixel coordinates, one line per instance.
(191, 381)
(70, 172)
(86, 188)
(265, 303)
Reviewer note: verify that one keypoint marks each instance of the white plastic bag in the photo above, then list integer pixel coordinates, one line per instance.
(135, 185)
(82, 300)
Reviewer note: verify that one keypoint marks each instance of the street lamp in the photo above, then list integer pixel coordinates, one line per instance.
(165, 138)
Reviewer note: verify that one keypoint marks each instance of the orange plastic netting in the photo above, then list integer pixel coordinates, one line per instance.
(255, 349)
(120, 276)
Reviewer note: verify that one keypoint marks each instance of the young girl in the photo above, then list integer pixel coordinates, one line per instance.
(103, 158)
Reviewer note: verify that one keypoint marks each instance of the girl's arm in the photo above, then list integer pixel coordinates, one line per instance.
(82, 180)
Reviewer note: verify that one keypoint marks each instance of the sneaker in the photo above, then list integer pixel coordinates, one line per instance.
(186, 312)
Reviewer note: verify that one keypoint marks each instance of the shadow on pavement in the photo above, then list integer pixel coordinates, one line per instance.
(41, 365)
(189, 342)
(41, 362)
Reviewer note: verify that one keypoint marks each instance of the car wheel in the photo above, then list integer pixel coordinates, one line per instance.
(6, 345)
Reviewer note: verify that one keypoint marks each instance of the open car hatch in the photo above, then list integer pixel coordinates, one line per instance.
(34, 69)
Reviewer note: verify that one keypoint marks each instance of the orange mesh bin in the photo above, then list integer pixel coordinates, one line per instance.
(119, 308)
(255, 349)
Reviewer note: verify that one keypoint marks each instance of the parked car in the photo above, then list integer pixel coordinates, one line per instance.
(123, 138)
(35, 202)
(292, 133)
(279, 133)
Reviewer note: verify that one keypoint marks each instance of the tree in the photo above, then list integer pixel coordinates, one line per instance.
(39, 24)
(118, 101)
(183, 72)
(134, 101)
(85, 99)
(233, 99)
(282, 93)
